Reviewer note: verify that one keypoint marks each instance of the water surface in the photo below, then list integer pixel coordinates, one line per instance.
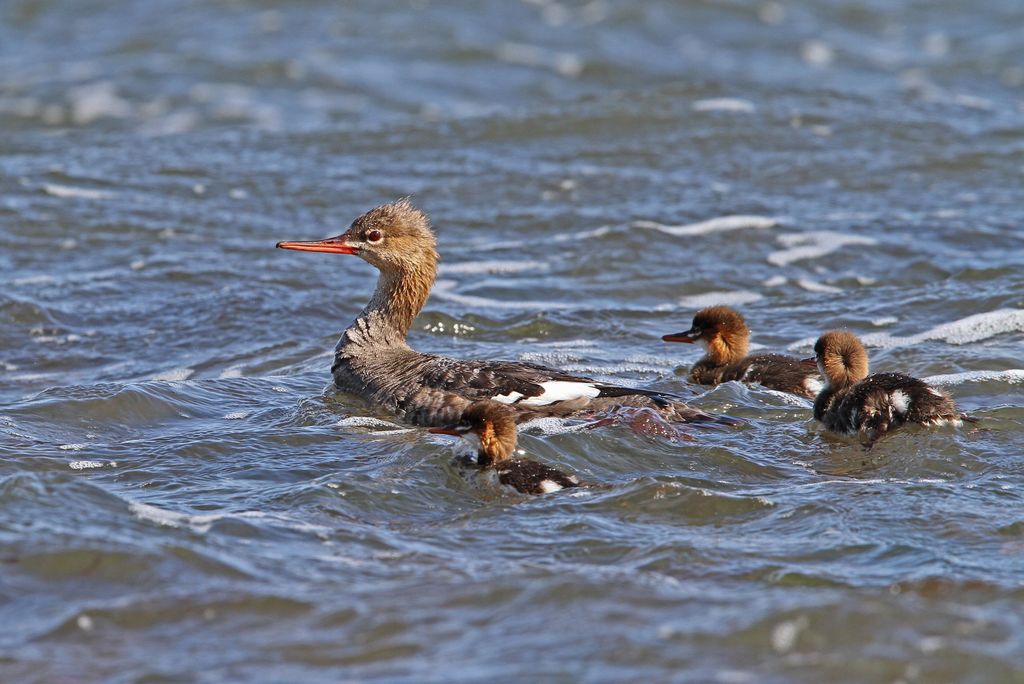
(183, 497)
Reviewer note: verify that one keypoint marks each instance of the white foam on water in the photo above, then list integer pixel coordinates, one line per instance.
(817, 53)
(584, 234)
(550, 358)
(71, 447)
(724, 104)
(611, 373)
(66, 191)
(166, 518)
(87, 465)
(565, 343)
(201, 523)
(974, 102)
(815, 286)
(1011, 376)
(734, 298)
(232, 372)
(32, 377)
(376, 423)
(174, 375)
(445, 289)
(884, 321)
(805, 343)
(100, 100)
(972, 328)
(775, 281)
(788, 398)
(786, 633)
(34, 280)
(440, 327)
(493, 246)
(653, 359)
(235, 415)
(563, 63)
(491, 266)
(813, 245)
(551, 425)
(720, 224)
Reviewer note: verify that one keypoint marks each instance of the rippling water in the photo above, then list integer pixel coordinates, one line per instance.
(183, 497)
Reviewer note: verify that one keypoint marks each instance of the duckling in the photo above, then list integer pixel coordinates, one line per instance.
(491, 428)
(854, 403)
(724, 333)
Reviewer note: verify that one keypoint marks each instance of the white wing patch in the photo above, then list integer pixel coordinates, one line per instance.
(554, 390)
(900, 401)
(548, 486)
(813, 385)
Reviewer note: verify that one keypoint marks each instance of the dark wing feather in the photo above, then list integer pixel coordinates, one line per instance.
(868, 406)
(527, 476)
(779, 372)
(487, 379)
(477, 380)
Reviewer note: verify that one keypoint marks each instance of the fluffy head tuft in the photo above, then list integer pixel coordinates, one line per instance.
(395, 237)
(495, 425)
(841, 358)
(724, 331)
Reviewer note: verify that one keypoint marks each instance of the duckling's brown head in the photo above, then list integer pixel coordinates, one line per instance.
(721, 329)
(841, 358)
(395, 237)
(490, 426)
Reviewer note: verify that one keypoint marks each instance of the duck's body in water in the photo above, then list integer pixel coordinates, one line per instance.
(854, 403)
(725, 335)
(374, 360)
(491, 428)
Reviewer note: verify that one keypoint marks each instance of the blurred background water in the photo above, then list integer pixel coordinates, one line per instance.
(183, 498)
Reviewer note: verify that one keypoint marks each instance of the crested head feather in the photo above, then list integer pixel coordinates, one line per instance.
(724, 332)
(841, 357)
(495, 424)
(408, 240)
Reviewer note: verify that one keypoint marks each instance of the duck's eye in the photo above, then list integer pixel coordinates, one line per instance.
(374, 236)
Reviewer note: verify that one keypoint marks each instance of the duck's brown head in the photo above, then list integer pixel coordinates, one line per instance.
(490, 426)
(721, 329)
(395, 237)
(841, 358)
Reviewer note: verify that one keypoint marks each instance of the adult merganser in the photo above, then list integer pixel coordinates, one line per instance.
(854, 403)
(491, 428)
(725, 335)
(372, 358)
